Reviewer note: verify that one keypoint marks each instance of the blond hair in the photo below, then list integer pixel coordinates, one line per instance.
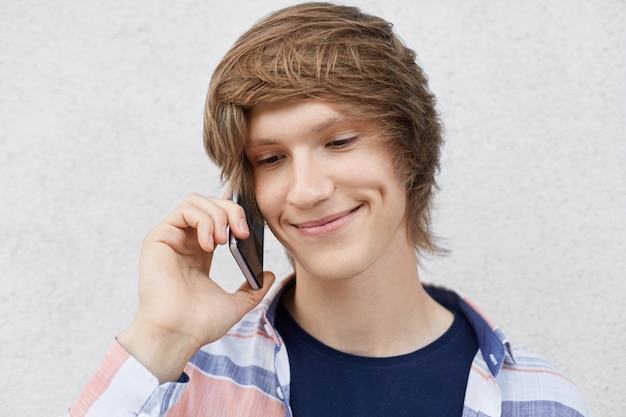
(343, 56)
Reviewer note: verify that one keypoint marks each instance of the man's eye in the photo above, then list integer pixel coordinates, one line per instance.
(342, 143)
(269, 160)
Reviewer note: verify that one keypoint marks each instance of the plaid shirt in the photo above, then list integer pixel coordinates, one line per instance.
(246, 373)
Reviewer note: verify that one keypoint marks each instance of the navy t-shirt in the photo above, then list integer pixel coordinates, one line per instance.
(429, 382)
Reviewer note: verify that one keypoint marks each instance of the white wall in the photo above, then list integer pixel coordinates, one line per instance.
(100, 136)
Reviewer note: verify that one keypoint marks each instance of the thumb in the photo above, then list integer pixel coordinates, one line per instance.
(247, 298)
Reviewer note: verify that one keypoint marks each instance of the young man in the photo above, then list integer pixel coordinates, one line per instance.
(319, 115)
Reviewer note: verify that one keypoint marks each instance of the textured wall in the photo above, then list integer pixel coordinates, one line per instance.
(100, 134)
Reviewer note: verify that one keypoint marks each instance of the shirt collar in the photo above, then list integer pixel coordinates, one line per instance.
(493, 343)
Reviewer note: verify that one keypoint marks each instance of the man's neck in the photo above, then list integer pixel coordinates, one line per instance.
(382, 312)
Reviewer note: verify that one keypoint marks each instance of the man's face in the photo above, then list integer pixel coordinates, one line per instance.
(326, 187)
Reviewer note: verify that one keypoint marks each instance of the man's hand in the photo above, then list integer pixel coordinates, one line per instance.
(180, 307)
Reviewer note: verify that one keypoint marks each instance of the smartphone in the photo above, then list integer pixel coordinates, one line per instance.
(249, 252)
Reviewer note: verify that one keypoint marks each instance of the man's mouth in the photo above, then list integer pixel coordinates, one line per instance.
(326, 224)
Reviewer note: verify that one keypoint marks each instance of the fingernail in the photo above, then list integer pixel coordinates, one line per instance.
(243, 226)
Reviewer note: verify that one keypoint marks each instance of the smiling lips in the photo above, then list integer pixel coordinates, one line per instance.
(325, 225)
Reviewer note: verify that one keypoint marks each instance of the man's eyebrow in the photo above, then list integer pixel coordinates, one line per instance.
(327, 124)
(315, 129)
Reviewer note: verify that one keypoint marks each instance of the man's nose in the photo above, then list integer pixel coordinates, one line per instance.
(310, 182)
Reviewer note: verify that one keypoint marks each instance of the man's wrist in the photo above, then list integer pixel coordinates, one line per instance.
(164, 355)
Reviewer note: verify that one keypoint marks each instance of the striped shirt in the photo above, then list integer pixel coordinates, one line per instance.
(246, 373)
